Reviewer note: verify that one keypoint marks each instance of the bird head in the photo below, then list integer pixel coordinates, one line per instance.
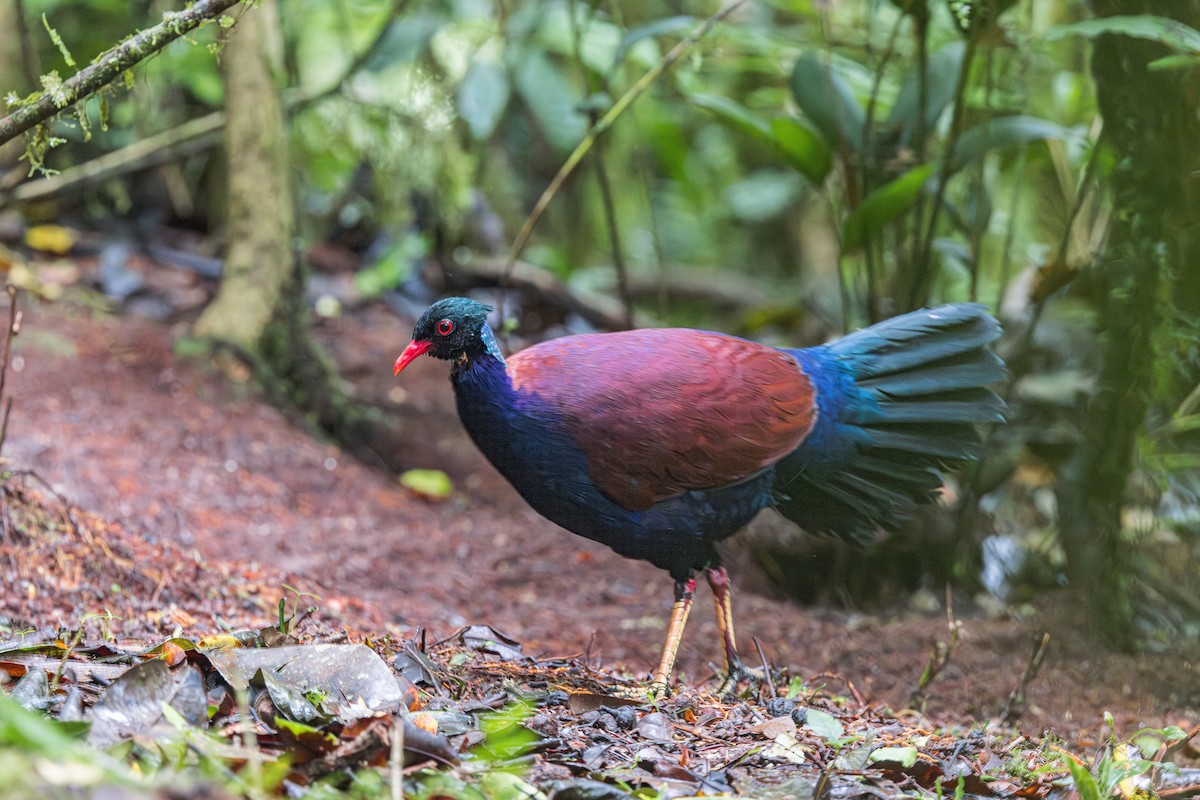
(454, 329)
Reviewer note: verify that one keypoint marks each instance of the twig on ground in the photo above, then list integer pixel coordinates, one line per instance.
(840, 678)
(10, 333)
(1015, 704)
(766, 668)
(823, 789)
(939, 658)
(396, 759)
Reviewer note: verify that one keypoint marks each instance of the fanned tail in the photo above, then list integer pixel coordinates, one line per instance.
(898, 402)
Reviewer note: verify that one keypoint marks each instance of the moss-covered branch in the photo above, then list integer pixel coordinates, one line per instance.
(110, 65)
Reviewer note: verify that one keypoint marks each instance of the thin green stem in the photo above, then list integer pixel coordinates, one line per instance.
(606, 196)
(599, 128)
(870, 169)
(977, 229)
(918, 291)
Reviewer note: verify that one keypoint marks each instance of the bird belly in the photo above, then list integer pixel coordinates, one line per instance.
(545, 465)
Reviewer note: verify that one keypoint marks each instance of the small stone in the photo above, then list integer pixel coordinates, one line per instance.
(780, 707)
(606, 722)
(626, 717)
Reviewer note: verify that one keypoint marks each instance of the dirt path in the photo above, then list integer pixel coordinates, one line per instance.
(107, 412)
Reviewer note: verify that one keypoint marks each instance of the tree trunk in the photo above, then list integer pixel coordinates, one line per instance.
(260, 307)
(259, 261)
(14, 72)
(1151, 126)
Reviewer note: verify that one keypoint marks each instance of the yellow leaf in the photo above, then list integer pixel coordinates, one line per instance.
(222, 641)
(50, 239)
(425, 721)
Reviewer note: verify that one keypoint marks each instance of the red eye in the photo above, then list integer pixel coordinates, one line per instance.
(445, 327)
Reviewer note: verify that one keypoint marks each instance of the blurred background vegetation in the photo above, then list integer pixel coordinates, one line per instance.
(804, 168)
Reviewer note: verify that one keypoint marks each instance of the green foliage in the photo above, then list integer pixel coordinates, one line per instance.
(1121, 765)
(802, 148)
(906, 756)
(482, 97)
(825, 97)
(829, 728)
(882, 205)
(505, 736)
(1169, 32)
(30, 742)
(940, 77)
(1001, 134)
(58, 42)
(392, 267)
(553, 100)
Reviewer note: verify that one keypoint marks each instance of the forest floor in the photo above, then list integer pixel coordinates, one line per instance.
(188, 458)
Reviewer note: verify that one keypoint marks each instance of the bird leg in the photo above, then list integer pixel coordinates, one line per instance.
(735, 670)
(684, 592)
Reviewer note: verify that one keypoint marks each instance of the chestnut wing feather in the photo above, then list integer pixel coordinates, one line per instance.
(661, 412)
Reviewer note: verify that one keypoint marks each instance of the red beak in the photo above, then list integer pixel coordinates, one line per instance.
(415, 348)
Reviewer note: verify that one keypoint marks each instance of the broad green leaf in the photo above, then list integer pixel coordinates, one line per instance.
(406, 40)
(854, 758)
(35, 732)
(1085, 784)
(825, 98)
(802, 148)
(733, 114)
(1179, 461)
(592, 41)
(763, 194)
(904, 756)
(552, 98)
(824, 724)
(1173, 62)
(499, 785)
(1190, 422)
(660, 27)
(320, 49)
(1172, 33)
(1003, 133)
(941, 83)
(482, 97)
(882, 205)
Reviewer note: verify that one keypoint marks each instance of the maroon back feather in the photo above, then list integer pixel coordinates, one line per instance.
(660, 412)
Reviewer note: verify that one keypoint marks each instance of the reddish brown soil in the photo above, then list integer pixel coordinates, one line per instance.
(178, 450)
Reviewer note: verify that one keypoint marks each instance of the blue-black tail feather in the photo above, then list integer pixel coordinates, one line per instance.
(897, 403)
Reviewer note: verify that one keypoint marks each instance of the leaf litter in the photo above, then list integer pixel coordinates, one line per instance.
(227, 692)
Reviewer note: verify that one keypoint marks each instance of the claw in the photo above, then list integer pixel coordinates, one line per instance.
(658, 690)
(735, 670)
(738, 672)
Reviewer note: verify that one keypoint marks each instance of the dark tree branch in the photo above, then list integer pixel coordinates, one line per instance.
(109, 65)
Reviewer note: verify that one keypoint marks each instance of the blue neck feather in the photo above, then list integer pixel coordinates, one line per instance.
(489, 342)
